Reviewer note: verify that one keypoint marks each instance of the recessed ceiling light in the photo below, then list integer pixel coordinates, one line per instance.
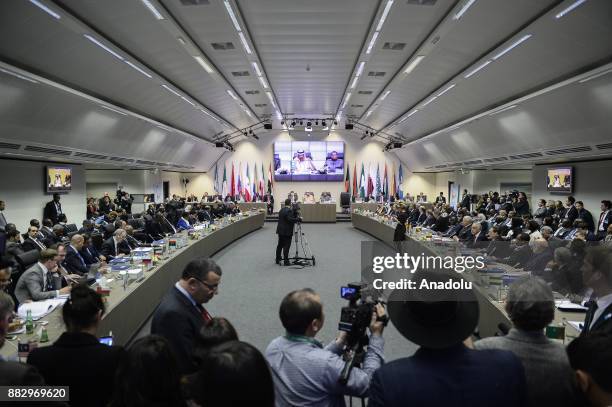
(372, 42)
(429, 101)
(256, 67)
(45, 9)
(354, 82)
(360, 69)
(463, 9)
(168, 88)
(104, 47)
(445, 90)
(113, 110)
(138, 69)
(229, 92)
(417, 60)
(384, 15)
(153, 10)
(188, 101)
(228, 7)
(569, 8)
(385, 95)
(263, 82)
(478, 68)
(245, 44)
(16, 75)
(512, 46)
(202, 62)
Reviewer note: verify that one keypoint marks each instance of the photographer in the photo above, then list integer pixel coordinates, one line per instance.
(306, 373)
(287, 217)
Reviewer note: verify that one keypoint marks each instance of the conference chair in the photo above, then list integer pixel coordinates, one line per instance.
(27, 259)
(345, 202)
(97, 240)
(70, 228)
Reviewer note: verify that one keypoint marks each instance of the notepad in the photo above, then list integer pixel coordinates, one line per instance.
(40, 308)
(565, 305)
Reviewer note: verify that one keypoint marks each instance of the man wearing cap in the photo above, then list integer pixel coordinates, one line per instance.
(443, 371)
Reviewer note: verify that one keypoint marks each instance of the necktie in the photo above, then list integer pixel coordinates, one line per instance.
(48, 282)
(588, 320)
(205, 315)
(81, 258)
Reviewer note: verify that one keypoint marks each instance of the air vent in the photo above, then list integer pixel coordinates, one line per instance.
(47, 150)
(376, 74)
(525, 156)
(606, 146)
(89, 155)
(195, 2)
(569, 150)
(394, 46)
(120, 159)
(455, 165)
(356, 105)
(440, 166)
(145, 162)
(365, 92)
(421, 2)
(473, 162)
(252, 92)
(261, 104)
(241, 73)
(495, 160)
(222, 46)
(9, 146)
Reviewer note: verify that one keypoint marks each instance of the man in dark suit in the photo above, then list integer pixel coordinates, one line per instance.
(443, 371)
(53, 209)
(74, 262)
(466, 199)
(180, 315)
(47, 228)
(605, 219)
(597, 275)
(440, 199)
(14, 373)
(572, 212)
(585, 216)
(32, 242)
(590, 357)
(478, 238)
(3, 221)
(284, 230)
(112, 246)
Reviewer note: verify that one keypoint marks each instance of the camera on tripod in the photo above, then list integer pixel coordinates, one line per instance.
(355, 319)
(295, 207)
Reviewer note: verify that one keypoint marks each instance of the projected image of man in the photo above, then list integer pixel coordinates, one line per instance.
(334, 163)
(302, 163)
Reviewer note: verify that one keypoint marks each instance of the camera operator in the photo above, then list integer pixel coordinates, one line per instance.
(305, 372)
(287, 217)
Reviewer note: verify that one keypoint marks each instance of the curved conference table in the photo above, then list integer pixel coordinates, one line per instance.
(492, 311)
(128, 309)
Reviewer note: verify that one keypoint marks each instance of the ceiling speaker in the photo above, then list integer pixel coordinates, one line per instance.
(397, 145)
(268, 126)
(348, 126)
(219, 144)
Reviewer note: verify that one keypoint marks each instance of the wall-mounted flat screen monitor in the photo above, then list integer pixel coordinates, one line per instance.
(58, 178)
(559, 179)
(309, 161)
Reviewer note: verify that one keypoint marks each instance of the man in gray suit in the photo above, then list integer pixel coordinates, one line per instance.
(40, 281)
(2, 218)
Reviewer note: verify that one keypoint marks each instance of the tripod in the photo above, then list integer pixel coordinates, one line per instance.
(300, 240)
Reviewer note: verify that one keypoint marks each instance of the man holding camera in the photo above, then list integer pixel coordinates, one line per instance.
(284, 229)
(305, 372)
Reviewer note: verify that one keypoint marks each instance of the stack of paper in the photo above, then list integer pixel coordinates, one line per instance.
(40, 308)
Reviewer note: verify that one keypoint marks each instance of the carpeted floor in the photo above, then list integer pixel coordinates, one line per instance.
(253, 286)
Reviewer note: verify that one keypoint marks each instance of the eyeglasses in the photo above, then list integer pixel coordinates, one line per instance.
(211, 287)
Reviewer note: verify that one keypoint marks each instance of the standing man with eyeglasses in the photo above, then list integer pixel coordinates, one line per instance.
(180, 315)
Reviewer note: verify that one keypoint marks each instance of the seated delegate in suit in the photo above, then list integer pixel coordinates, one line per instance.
(605, 219)
(39, 281)
(443, 371)
(597, 275)
(478, 238)
(14, 373)
(180, 314)
(183, 222)
(591, 359)
(77, 359)
(112, 246)
(32, 242)
(74, 262)
(89, 252)
(130, 241)
(531, 307)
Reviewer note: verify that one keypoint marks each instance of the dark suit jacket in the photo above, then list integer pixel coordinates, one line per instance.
(78, 360)
(400, 232)
(28, 244)
(286, 220)
(457, 376)
(479, 242)
(108, 248)
(179, 321)
(571, 213)
(73, 263)
(588, 218)
(51, 211)
(441, 224)
(606, 221)
(603, 323)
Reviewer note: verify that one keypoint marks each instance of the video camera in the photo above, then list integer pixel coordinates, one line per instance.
(355, 319)
(295, 207)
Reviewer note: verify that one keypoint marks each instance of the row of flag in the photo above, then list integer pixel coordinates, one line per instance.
(370, 182)
(240, 181)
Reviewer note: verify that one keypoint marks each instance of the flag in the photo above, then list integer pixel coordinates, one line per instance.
(393, 185)
(262, 181)
(385, 185)
(354, 179)
(233, 183)
(362, 183)
(239, 189)
(370, 190)
(270, 184)
(247, 185)
(224, 186)
(400, 182)
(216, 186)
(255, 180)
(347, 180)
(378, 185)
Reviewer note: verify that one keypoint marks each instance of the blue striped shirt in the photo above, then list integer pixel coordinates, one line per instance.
(307, 375)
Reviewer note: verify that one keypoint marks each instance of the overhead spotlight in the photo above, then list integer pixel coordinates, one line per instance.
(255, 136)
(309, 124)
(301, 123)
(293, 123)
(367, 133)
(363, 137)
(282, 122)
(335, 122)
(317, 122)
(323, 123)
(250, 131)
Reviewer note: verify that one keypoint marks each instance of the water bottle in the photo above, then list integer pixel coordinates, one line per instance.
(29, 323)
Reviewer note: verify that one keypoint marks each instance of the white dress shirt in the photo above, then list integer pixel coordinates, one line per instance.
(46, 274)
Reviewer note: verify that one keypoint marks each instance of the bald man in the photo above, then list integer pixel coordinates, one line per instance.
(74, 263)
